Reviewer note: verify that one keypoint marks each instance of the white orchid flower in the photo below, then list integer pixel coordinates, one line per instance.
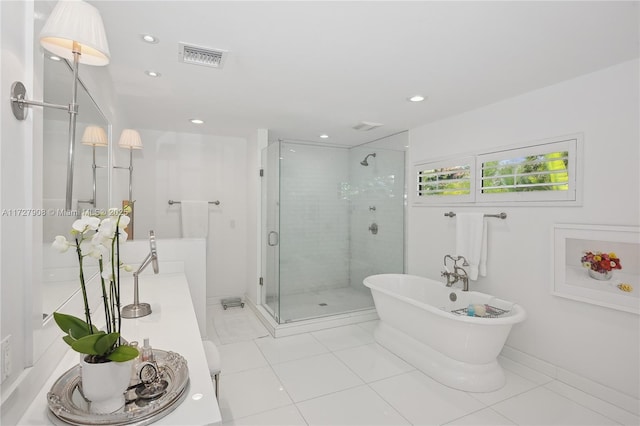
(61, 244)
(99, 239)
(123, 235)
(127, 268)
(107, 228)
(124, 222)
(98, 251)
(86, 223)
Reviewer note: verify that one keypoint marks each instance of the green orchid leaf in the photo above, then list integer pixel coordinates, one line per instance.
(68, 339)
(73, 326)
(123, 353)
(87, 344)
(104, 344)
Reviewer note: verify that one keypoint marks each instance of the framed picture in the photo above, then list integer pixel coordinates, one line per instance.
(598, 264)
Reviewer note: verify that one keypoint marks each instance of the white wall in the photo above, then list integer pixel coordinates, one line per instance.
(180, 166)
(599, 344)
(16, 27)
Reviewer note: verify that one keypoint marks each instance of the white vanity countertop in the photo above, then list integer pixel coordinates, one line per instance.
(171, 326)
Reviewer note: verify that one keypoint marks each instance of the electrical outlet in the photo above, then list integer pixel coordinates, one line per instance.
(5, 355)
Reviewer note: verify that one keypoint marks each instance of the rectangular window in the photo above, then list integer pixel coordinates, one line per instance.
(543, 173)
(452, 180)
(536, 173)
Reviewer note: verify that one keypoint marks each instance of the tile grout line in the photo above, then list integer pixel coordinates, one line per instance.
(581, 404)
(486, 407)
(491, 406)
(387, 402)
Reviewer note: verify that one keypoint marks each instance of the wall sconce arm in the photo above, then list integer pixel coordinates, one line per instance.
(19, 102)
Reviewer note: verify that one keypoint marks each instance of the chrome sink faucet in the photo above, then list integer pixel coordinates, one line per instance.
(458, 274)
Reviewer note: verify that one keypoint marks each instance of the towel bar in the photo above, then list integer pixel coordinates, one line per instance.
(171, 202)
(502, 215)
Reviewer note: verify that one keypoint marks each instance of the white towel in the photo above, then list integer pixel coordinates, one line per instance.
(195, 218)
(471, 242)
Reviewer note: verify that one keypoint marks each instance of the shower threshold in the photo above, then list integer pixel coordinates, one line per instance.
(311, 324)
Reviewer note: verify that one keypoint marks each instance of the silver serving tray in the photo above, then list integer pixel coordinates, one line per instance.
(67, 403)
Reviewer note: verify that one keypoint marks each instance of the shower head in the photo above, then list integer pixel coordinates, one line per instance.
(364, 162)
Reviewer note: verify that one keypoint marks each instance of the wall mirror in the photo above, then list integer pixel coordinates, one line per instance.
(90, 182)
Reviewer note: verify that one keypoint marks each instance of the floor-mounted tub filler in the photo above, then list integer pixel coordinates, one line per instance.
(453, 336)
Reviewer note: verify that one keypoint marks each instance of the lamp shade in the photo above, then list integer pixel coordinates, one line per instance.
(76, 21)
(130, 139)
(94, 136)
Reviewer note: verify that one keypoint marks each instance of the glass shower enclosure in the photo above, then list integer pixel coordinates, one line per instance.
(331, 216)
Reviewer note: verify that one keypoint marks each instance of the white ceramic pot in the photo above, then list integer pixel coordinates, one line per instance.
(105, 384)
(602, 276)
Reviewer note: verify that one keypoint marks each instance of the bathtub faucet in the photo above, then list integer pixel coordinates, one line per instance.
(458, 274)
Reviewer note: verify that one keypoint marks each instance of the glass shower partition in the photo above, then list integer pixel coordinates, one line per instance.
(330, 219)
(270, 280)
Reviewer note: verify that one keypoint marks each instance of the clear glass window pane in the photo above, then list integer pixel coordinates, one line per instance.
(543, 172)
(454, 180)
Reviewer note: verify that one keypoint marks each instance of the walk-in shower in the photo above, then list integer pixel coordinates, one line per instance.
(328, 223)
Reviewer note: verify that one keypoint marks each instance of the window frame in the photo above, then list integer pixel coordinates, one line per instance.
(572, 143)
(438, 164)
(529, 196)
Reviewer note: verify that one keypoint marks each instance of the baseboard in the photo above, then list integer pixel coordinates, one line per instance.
(527, 360)
(588, 386)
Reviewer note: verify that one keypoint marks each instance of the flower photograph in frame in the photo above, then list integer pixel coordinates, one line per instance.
(597, 264)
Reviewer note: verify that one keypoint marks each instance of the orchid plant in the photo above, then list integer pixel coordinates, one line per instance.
(98, 238)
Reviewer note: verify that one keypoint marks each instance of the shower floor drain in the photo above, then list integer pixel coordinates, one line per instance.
(322, 304)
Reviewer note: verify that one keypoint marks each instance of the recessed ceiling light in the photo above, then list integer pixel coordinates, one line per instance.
(196, 121)
(55, 58)
(417, 98)
(149, 38)
(323, 136)
(152, 73)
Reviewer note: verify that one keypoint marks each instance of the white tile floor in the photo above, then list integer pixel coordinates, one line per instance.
(340, 376)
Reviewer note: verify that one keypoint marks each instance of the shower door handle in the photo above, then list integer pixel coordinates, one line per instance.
(273, 239)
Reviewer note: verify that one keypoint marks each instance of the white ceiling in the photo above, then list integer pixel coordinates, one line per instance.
(302, 69)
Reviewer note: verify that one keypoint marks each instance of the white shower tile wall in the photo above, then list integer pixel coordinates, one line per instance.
(314, 225)
(328, 201)
(377, 197)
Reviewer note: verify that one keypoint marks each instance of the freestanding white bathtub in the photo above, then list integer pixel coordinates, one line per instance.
(418, 325)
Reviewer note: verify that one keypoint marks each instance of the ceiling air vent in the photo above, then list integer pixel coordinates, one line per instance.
(366, 125)
(197, 55)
